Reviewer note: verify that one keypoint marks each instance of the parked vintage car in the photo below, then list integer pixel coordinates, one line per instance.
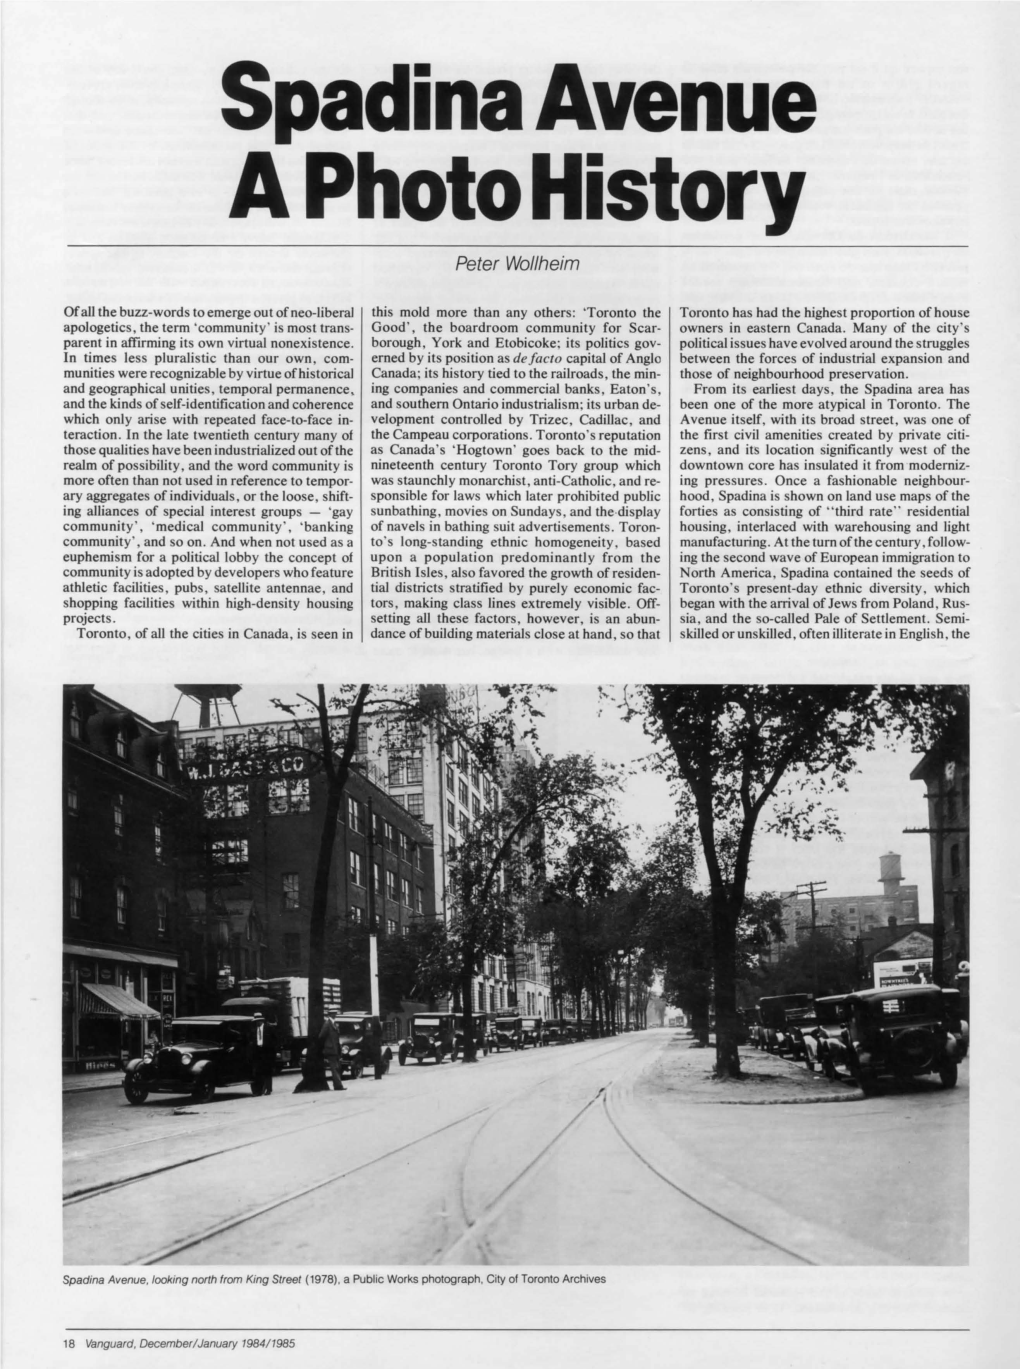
(480, 1025)
(431, 1036)
(904, 1031)
(531, 1031)
(825, 1043)
(555, 1031)
(202, 1055)
(505, 1034)
(355, 1033)
(779, 1038)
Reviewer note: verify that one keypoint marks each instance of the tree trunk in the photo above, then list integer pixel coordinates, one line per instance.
(724, 954)
(313, 1071)
(467, 1009)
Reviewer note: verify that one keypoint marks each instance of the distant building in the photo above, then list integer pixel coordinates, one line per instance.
(125, 807)
(850, 916)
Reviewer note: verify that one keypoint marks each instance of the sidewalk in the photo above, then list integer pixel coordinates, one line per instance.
(685, 1071)
(99, 1079)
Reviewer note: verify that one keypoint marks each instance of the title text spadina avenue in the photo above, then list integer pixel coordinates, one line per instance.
(412, 102)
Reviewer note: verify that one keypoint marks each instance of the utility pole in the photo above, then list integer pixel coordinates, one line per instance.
(813, 887)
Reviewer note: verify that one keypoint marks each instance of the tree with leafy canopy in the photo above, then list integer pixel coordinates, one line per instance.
(498, 870)
(323, 738)
(747, 754)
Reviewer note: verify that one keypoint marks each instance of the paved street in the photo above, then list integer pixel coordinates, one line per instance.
(606, 1152)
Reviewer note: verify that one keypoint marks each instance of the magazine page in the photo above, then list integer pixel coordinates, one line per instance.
(655, 358)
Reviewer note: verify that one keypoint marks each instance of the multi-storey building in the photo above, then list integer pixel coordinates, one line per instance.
(850, 916)
(125, 808)
(945, 773)
(439, 781)
(263, 805)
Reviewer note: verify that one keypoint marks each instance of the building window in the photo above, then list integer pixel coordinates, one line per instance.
(391, 885)
(161, 914)
(476, 806)
(465, 826)
(75, 721)
(72, 801)
(160, 765)
(122, 906)
(355, 816)
(292, 950)
(475, 773)
(357, 868)
(390, 837)
(354, 916)
(157, 839)
(416, 893)
(405, 893)
(225, 801)
(289, 796)
(462, 793)
(376, 877)
(396, 770)
(462, 755)
(451, 780)
(415, 770)
(229, 852)
(451, 813)
(415, 804)
(404, 929)
(487, 789)
(291, 886)
(118, 815)
(451, 846)
(391, 926)
(122, 744)
(74, 896)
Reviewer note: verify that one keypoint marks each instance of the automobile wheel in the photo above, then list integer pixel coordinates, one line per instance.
(356, 1069)
(204, 1089)
(860, 1077)
(948, 1074)
(135, 1090)
(258, 1087)
(386, 1064)
(402, 1055)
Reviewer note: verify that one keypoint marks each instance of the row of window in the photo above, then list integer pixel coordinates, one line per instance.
(119, 810)
(121, 741)
(386, 835)
(457, 751)
(397, 888)
(358, 915)
(122, 904)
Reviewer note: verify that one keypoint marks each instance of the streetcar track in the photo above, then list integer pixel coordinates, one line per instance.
(251, 1214)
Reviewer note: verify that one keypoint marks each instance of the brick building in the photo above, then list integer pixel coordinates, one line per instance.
(851, 916)
(124, 808)
(945, 774)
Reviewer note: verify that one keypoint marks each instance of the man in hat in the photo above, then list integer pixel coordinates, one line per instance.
(330, 1039)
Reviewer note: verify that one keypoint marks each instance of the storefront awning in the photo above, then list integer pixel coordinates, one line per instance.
(105, 1000)
(125, 957)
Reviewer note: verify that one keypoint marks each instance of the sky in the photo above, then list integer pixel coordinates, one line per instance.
(881, 799)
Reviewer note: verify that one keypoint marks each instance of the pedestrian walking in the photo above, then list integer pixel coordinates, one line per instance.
(374, 1044)
(330, 1039)
(265, 1051)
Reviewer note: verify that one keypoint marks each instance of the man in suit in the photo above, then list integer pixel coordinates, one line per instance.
(330, 1039)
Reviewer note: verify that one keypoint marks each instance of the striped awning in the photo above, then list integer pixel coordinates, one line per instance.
(105, 1000)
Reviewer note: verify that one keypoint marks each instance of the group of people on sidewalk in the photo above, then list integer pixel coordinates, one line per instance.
(329, 1038)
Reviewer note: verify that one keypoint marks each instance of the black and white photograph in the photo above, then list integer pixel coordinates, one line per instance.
(647, 975)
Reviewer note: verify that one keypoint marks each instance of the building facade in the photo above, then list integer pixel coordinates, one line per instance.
(263, 802)
(851, 916)
(945, 774)
(124, 808)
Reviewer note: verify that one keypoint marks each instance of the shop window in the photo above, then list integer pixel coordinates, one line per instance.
(289, 796)
(357, 868)
(229, 852)
(291, 885)
(118, 815)
(122, 905)
(75, 895)
(72, 801)
(415, 804)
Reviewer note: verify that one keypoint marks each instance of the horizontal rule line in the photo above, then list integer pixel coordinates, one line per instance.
(596, 1330)
(562, 246)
